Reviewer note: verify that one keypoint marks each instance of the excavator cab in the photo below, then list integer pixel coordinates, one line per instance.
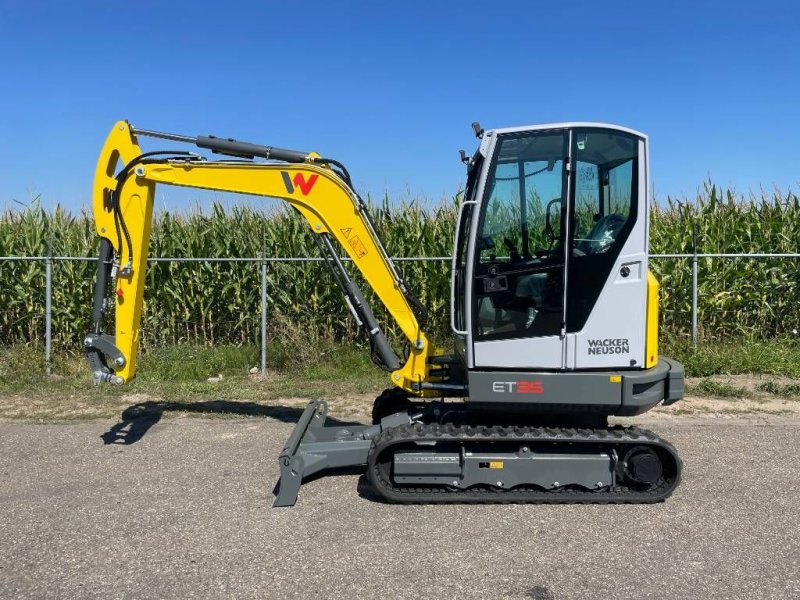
(558, 257)
(550, 279)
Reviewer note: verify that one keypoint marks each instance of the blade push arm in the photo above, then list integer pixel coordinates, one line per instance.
(123, 207)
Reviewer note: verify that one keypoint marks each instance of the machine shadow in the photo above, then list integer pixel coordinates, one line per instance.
(136, 420)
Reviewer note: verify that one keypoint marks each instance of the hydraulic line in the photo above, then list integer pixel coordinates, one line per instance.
(122, 176)
(344, 175)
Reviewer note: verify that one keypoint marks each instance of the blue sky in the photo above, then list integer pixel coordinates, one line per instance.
(390, 89)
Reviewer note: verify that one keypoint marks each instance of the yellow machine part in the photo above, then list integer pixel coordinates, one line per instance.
(137, 210)
(651, 334)
(315, 191)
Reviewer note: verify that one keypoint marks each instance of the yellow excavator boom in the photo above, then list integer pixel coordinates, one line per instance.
(123, 211)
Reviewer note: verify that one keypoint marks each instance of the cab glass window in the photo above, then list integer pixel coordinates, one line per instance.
(519, 263)
(606, 189)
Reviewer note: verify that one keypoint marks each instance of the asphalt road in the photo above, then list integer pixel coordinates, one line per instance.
(184, 512)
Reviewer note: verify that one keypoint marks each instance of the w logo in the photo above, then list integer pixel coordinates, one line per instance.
(299, 181)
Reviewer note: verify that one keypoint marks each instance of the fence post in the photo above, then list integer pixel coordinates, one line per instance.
(694, 283)
(263, 317)
(48, 311)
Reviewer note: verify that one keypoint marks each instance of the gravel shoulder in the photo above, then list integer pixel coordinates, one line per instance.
(184, 512)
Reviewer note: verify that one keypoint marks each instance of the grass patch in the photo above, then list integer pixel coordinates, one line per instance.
(784, 390)
(180, 374)
(778, 357)
(717, 389)
(301, 368)
(195, 363)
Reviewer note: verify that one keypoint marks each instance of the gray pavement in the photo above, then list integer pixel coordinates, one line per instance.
(184, 512)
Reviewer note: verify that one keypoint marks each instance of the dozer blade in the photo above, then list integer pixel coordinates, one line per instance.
(312, 447)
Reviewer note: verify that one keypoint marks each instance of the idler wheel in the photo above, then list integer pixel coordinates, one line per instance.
(643, 466)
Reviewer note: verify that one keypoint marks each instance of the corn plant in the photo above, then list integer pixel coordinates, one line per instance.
(214, 302)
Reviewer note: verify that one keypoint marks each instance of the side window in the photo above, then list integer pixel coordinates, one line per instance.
(606, 186)
(619, 188)
(602, 205)
(587, 199)
(460, 273)
(502, 219)
(462, 245)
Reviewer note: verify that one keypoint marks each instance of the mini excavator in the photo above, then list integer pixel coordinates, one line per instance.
(554, 314)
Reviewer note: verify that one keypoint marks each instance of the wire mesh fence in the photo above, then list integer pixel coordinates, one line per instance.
(48, 298)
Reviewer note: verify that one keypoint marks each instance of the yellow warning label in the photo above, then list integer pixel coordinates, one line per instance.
(358, 248)
(496, 464)
(346, 231)
(615, 378)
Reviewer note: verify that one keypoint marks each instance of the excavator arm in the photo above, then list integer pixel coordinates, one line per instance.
(318, 188)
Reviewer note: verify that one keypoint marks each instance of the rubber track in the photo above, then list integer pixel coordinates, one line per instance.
(613, 437)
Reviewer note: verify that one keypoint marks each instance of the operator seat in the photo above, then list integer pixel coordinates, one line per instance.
(602, 234)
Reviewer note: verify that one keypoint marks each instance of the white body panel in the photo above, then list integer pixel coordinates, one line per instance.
(521, 353)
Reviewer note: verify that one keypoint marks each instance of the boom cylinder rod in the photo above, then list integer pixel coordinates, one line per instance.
(187, 139)
(229, 146)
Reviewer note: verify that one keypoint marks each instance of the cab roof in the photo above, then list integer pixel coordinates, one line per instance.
(566, 125)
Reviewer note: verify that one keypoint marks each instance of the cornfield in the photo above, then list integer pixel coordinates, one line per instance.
(738, 297)
(210, 303)
(203, 302)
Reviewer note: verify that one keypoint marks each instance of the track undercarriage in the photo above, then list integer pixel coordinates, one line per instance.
(434, 454)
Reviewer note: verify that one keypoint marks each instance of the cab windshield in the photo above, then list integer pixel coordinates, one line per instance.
(524, 199)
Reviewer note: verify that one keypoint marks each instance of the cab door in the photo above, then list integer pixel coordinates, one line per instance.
(607, 267)
(518, 255)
